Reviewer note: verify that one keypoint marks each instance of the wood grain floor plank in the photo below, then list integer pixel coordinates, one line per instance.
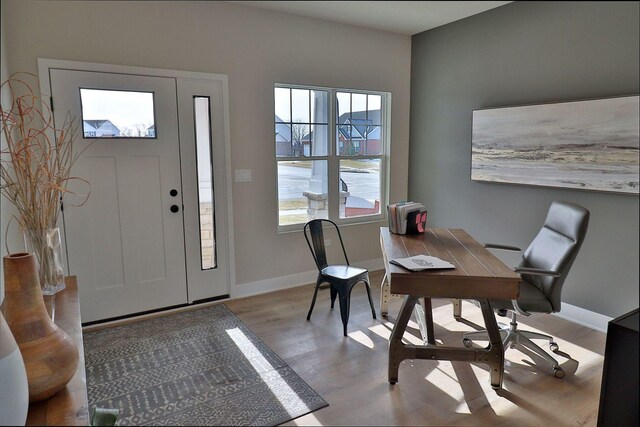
(351, 373)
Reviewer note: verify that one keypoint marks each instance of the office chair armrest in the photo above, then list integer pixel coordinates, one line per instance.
(536, 271)
(519, 310)
(502, 247)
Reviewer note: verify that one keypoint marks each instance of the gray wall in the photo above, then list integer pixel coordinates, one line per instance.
(525, 53)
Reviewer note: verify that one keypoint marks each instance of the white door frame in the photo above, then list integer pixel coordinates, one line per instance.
(44, 64)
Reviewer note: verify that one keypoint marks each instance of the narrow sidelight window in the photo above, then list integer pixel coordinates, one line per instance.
(204, 168)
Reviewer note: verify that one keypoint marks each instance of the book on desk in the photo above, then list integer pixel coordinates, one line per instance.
(407, 218)
(422, 262)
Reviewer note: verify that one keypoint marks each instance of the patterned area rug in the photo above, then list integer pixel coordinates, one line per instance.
(199, 367)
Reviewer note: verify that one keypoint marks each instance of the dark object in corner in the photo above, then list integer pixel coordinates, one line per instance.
(619, 393)
(104, 417)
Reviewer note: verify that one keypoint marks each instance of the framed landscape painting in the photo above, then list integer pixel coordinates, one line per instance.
(587, 145)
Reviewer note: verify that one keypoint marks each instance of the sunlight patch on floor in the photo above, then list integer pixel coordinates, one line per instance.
(287, 397)
(362, 338)
(443, 380)
(384, 331)
(307, 420)
(381, 331)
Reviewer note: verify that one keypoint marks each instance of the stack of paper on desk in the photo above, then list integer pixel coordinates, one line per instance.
(422, 262)
(398, 213)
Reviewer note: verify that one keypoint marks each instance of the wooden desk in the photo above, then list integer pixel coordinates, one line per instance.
(69, 406)
(478, 275)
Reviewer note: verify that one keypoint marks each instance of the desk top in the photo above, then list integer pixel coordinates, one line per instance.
(478, 273)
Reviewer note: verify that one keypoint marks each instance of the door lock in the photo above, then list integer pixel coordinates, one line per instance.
(174, 208)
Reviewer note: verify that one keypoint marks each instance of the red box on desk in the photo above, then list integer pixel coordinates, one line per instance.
(416, 222)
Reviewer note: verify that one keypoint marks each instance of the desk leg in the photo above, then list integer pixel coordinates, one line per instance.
(424, 316)
(396, 348)
(495, 351)
(385, 295)
(457, 308)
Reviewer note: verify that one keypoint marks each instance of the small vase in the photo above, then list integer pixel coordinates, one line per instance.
(50, 355)
(14, 393)
(46, 246)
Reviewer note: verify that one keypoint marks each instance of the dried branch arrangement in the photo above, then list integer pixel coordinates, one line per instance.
(37, 157)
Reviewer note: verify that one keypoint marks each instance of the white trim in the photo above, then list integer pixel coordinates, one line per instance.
(584, 317)
(45, 63)
(293, 280)
(568, 312)
(155, 314)
(231, 247)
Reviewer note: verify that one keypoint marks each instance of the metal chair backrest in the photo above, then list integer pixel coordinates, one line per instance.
(316, 242)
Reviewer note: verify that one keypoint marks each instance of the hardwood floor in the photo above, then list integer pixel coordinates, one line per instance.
(350, 373)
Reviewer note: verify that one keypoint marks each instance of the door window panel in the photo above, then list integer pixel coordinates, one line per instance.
(117, 114)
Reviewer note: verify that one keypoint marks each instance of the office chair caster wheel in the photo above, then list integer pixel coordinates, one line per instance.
(467, 342)
(558, 372)
(553, 346)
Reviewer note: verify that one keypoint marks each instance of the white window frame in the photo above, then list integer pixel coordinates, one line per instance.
(333, 159)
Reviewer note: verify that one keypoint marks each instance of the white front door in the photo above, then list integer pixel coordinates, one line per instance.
(126, 245)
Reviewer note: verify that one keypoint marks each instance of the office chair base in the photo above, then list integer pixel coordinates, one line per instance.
(512, 336)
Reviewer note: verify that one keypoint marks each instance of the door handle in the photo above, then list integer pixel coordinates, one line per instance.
(173, 193)
(174, 208)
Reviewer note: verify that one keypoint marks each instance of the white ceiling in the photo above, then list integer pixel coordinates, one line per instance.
(403, 17)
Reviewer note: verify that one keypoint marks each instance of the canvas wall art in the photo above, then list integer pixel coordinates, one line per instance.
(588, 145)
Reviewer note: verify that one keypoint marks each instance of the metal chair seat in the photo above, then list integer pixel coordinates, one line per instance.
(342, 272)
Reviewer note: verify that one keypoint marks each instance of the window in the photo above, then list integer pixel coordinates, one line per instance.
(117, 114)
(206, 197)
(331, 149)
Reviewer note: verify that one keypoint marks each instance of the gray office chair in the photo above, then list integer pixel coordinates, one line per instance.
(544, 268)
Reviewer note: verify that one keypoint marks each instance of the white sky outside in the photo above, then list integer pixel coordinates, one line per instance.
(123, 109)
(203, 142)
(300, 100)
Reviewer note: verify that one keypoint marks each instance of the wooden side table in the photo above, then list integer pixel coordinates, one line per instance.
(69, 406)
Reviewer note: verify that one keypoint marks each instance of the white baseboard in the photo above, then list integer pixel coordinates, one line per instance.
(584, 317)
(568, 312)
(293, 280)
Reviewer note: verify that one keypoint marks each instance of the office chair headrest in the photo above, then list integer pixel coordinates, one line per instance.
(568, 219)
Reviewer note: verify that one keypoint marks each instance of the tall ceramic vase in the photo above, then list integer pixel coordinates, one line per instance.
(14, 389)
(50, 355)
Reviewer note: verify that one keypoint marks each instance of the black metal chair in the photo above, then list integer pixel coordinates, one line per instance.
(341, 277)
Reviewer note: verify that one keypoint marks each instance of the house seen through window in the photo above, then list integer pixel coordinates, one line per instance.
(330, 146)
(117, 114)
